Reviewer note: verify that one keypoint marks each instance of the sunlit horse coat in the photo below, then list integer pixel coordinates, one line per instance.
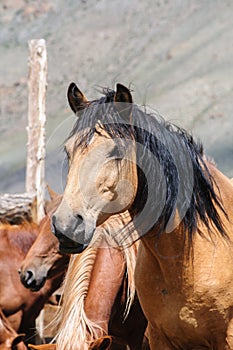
(122, 158)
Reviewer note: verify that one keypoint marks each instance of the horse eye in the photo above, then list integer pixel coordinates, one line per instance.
(116, 153)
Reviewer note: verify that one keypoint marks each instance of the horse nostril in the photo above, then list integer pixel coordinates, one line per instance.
(29, 276)
(52, 224)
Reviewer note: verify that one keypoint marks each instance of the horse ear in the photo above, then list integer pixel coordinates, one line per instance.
(52, 204)
(123, 94)
(76, 98)
(101, 343)
(42, 346)
(106, 343)
(17, 339)
(52, 194)
(123, 101)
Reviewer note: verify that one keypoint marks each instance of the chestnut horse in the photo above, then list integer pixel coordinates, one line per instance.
(99, 295)
(44, 260)
(181, 205)
(20, 305)
(95, 290)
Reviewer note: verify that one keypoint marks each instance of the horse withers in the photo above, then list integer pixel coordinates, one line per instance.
(123, 158)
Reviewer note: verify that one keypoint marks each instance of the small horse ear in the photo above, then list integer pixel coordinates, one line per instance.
(101, 343)
(42, 346)
(52, 194)
(76, 98)
(123, 94)
(17, 339)
(123, 101)
(107, 342)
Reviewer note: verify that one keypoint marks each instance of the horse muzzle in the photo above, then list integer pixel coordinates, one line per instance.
(29, 280)
(66, 236)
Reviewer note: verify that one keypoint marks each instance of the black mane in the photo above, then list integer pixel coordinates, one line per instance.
(172, 170)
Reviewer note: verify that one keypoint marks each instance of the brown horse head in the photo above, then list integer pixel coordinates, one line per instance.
(102, 177)
(43, 259)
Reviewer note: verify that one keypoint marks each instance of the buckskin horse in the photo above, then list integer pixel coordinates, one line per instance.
(122, 157)
(94, 293)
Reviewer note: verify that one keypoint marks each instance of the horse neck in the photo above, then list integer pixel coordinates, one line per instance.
(20, 237)
(166, 254)
(106, 279)
(71, 321)
(91, 284)
(82, 282)
(171, 251)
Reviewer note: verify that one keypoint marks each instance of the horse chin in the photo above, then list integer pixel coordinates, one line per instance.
(34, 286)
(75, 249)
(76, 240)
(69, 246)
(37, 287)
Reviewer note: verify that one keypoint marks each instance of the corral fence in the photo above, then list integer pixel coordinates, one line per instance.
(15, 208)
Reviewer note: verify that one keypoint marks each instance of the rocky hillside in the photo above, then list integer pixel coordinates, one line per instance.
(176, 55)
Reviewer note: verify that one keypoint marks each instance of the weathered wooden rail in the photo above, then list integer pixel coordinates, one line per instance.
(15, 208)
(29, 206)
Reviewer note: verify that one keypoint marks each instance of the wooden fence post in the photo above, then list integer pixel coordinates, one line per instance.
(37, 83)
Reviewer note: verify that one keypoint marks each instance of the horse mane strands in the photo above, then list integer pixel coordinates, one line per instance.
(111, 229)
(130, 255)
(74, 326)
(129, 252)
